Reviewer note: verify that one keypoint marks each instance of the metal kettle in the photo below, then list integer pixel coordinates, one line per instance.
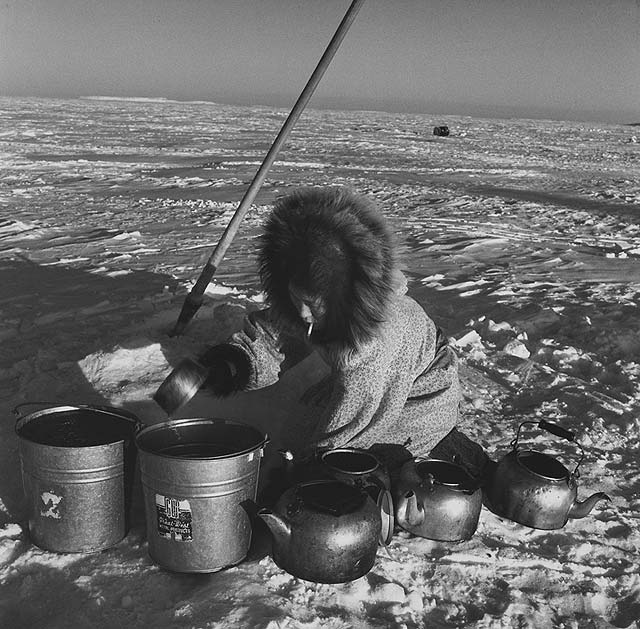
(353, 466)
(438, 500)
(324, 531)
(535, 489)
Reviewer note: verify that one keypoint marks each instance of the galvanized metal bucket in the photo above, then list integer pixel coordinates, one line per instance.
(77, 472)
(197, 476)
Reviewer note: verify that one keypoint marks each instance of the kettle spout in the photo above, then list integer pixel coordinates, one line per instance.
(408, 510)
(279, 527)
(581, 509)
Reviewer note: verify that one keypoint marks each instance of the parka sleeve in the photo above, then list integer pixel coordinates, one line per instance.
(267, 349)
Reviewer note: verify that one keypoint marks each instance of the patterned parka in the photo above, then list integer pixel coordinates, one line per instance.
(393, 377)
(399, 388)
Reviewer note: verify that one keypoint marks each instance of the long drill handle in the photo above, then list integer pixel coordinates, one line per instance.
(193, 300)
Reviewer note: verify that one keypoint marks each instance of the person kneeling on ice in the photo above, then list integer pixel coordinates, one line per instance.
(329, 272)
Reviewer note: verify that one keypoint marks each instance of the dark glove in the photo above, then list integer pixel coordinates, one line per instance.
(229, 369)
(458, 448)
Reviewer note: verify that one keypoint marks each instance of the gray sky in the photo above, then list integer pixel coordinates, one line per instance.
(564, 59)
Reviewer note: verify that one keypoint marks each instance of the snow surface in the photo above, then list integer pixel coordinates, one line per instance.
(520, 237)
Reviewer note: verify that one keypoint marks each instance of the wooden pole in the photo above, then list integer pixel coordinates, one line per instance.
(194, 299)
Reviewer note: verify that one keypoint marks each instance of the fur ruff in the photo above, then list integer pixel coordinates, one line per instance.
(334, 244)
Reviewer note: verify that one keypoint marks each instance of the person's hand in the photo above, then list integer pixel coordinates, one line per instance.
(228, 369)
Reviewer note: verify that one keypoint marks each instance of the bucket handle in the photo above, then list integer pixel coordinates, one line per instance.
(17, 413)
(558, 431)
(109, 410)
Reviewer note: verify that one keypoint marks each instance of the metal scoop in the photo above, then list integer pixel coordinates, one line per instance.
(180, 385)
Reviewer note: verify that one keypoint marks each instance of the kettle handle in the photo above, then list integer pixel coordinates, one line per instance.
(558, 431)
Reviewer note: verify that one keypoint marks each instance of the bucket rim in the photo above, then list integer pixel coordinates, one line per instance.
(189, 421)
(113, 411)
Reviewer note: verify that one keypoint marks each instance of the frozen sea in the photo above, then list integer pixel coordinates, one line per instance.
(521, 238)
(511, 204)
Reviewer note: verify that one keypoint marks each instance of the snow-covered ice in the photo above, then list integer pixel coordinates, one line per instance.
(520, 238)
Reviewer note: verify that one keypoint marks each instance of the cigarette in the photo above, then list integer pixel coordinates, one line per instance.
(309, 329)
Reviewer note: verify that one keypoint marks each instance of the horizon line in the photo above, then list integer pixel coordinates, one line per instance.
(326, 107)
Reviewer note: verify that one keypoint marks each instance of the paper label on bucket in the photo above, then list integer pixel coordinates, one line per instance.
(174, 518)
(50, 507)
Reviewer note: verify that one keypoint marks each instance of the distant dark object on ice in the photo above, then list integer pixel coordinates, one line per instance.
(442, 130)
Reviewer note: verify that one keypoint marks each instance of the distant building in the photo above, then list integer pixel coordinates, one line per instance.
(442, 130)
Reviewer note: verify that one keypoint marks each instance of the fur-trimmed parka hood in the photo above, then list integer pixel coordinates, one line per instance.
(336, 245)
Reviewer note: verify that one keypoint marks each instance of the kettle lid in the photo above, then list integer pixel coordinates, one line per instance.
(542, 464)
(446, 473)
(331, 497)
